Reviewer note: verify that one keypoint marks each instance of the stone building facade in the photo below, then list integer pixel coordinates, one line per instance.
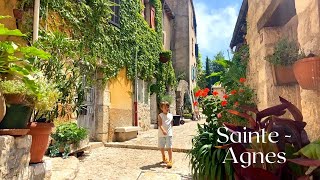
(184, 42)
(268, 21)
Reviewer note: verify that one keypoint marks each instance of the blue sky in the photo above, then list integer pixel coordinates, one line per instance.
(215, 24)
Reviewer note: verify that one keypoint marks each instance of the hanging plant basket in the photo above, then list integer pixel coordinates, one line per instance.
(18, 13)
(165, 56)
(307, 72)
(283, 75)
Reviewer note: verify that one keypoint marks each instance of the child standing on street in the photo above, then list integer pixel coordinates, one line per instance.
(165, 122)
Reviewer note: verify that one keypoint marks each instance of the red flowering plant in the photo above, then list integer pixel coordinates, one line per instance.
(241, 95)
(215, 107)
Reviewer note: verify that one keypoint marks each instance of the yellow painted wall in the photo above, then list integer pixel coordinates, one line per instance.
(121, 90)
(6, 9)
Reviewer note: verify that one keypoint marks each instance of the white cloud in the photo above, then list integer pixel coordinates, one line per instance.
(214, 28)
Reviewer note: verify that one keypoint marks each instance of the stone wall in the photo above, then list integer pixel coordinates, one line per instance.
(15, 157)
(144, 116)
(261, 44)
(305, 29)
(167, 31)
(183, 59)
(309, 39)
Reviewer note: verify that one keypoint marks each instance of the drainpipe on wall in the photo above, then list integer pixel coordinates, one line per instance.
(36, 19)
(136, 91)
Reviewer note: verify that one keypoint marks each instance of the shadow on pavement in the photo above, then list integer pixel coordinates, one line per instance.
(149, 167)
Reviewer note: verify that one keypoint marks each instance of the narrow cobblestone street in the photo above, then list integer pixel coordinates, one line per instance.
(139, 160)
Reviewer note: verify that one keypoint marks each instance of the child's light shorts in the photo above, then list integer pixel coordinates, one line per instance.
(165, 142)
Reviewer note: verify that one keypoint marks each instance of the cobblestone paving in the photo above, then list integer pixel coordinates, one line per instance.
(131, 164)
(182, 136)
(109, 163)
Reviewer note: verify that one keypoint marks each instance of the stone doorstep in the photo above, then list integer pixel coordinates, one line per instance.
(128, 129)
(95, 145)
(141, 147)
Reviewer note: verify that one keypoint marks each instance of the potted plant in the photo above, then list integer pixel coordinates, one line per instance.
(307, 72)
(20, 102)
(42, 125)
(165, 56)
(285, 53)
(15, 65)
(67, 139)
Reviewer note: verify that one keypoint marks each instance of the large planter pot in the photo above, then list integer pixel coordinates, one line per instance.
(40, 133)
(307, 72)
(17, 117)
(283, 75)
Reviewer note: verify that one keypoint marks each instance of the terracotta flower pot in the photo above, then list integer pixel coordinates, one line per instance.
(283, 75)
(40, 133)
(307, 72)
(163, 59)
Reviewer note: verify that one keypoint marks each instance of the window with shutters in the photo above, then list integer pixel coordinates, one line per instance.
(115, 17)
(152, 18)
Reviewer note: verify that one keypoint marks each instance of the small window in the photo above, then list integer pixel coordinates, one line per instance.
(153, 18)
(115, 17)
(192, 47)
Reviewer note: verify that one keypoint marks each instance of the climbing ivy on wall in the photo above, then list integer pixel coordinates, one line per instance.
(103, 46)
(114, 47)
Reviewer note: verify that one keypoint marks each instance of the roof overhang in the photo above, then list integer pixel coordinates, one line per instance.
(240, 27)
(278, 13)
(168, 10)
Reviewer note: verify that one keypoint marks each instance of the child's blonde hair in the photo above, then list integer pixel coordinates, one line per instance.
(164, 103)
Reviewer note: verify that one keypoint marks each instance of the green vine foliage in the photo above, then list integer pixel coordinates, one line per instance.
(87, 42)
(114, 47)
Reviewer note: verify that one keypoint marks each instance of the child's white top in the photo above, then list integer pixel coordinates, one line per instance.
(166, 124)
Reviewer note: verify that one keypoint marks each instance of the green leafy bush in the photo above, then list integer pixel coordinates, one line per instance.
(286, 52)
(65, 135)
(17, 60)
(187, 116)
(47, 99)
(206, 160)
(17, 87)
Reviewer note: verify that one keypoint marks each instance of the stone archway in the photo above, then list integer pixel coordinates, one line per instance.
(180, 93)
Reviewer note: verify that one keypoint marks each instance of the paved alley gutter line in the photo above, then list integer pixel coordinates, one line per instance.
(141, 147)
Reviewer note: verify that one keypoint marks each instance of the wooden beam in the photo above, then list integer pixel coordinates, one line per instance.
(268, 13)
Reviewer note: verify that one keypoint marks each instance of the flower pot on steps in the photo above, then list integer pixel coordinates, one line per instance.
(40, 133)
